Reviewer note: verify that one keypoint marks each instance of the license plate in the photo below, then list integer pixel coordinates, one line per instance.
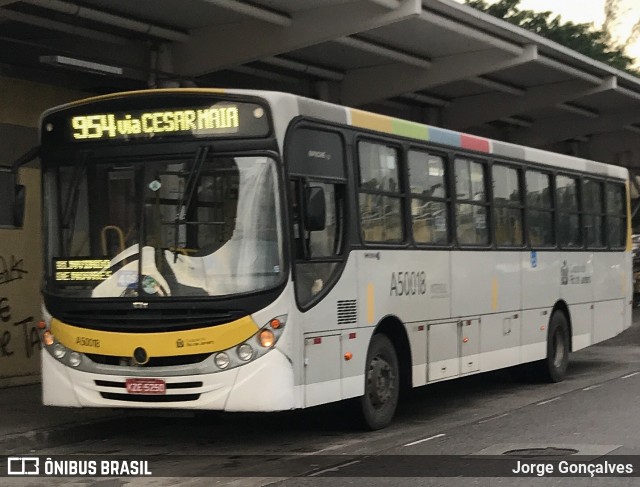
(146, 386)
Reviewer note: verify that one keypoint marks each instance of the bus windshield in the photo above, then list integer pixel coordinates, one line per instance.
(199, 225)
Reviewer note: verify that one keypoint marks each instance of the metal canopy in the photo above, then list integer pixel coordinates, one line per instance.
(433, 61)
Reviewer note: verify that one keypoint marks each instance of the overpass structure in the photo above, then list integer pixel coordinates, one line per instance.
(433, 61)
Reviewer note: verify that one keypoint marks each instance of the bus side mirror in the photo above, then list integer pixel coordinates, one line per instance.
(19, 205)
(315, 208)
(12, 199)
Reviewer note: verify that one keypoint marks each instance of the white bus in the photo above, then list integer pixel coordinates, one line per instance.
(258, 251)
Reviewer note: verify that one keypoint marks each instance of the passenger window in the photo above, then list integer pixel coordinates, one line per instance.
(380, 196)
(429, 206)
(569, 231)
(508, 207)
(540, 218)
(616, 215)
(593, 213)
(471, 204)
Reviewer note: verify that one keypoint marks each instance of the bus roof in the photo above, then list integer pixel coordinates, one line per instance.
(343, 115)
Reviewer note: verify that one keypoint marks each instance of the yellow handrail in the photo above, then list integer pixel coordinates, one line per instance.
(120, 233)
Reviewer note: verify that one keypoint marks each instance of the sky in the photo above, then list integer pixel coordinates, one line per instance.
(592, 11)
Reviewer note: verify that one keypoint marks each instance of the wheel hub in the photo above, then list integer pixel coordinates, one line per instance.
(381, 381)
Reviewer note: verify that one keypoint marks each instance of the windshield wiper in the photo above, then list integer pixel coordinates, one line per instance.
(187, 195)
(68, 217)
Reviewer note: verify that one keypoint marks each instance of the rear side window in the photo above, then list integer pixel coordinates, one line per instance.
(540, 209)
(569, 231)
(616, 215)
(593, 213)
(508, 207)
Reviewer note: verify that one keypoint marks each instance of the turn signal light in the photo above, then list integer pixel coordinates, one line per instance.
(42, 325)
(267, 339)
(275, 323)
(47, 338)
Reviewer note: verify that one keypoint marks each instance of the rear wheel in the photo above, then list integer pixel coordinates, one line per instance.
(382, 384)
(554, 367)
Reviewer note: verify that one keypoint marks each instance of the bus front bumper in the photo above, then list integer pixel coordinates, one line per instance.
(266, 384)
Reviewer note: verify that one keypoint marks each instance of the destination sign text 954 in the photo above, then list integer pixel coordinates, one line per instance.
(222, 119)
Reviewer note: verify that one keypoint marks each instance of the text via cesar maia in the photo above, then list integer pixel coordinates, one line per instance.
(33, 466)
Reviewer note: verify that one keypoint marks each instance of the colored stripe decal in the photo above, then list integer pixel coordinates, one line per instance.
(418, 131)
(410, 129)
(474, 143)
(443, 136)
(371, 121)
(187, 342)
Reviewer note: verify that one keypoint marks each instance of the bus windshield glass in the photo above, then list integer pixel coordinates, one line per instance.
(199, 225)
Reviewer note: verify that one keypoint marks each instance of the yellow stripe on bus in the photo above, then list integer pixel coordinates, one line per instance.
(163, 344)
(371, 297)
(494, 294)
(371, 121)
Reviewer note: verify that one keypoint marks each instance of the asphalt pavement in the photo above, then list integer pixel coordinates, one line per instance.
(26, 424)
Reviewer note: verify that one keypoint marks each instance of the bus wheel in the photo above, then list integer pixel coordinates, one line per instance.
(382, 384)
(554, 367)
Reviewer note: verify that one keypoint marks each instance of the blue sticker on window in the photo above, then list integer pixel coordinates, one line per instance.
(534, 258)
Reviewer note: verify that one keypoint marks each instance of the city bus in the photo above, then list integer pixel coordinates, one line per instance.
(244, 250)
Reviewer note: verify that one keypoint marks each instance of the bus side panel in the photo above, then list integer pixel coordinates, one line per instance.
(20, 277)
(540, 279)
(540, 289)
(577, 290)
(325, 327)
(487, 285)
(413, 286)
(610, 283)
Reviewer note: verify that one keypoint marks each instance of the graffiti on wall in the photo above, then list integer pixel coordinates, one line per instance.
(11, 269)
(18, 334)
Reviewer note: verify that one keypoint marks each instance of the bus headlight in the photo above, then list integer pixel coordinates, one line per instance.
(59, 351)
(245, 352)
(74, 359)
(222, 360)
(252, 348)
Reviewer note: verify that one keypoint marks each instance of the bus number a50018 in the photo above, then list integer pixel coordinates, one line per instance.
(410, 283)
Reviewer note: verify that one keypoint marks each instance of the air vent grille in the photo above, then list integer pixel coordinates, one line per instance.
(347, 312)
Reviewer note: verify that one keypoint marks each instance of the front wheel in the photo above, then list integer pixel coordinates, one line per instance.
(382, 384)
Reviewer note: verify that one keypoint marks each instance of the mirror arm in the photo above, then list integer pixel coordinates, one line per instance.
(25, 158)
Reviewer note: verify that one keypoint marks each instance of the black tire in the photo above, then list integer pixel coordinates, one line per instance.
(382, 384)
(554, 367)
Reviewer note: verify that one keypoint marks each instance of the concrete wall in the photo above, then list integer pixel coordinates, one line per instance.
(21, 104)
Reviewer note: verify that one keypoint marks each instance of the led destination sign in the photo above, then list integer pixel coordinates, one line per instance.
(112, 125)
(231, 119)
(82, 270)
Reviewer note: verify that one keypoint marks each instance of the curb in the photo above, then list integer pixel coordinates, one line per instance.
(71, 433)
